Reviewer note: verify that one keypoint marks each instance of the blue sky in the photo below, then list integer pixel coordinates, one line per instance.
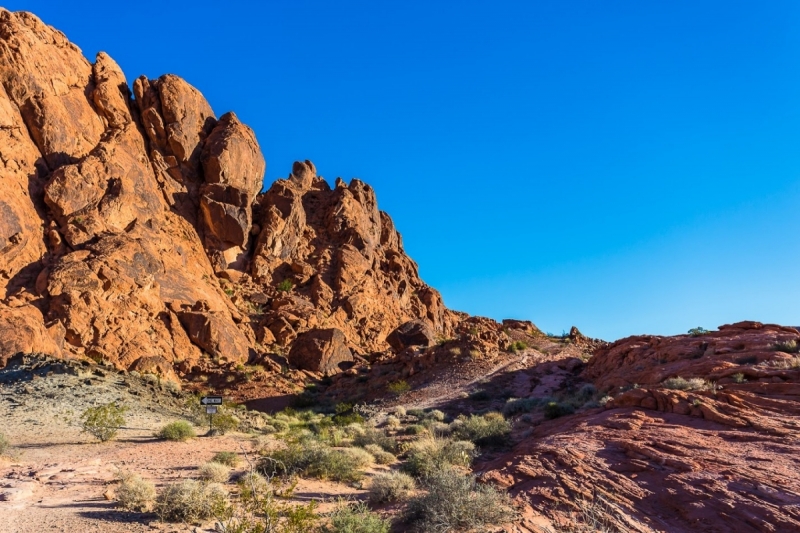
(624, 166)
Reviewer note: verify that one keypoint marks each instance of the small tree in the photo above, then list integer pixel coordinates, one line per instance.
(103, 422)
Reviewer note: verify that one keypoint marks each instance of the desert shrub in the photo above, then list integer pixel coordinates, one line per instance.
(438, 429)
(455, 502)
(696, 332)
(479, 396)
(285, 285)
(587, 390)
(226, 458)
(416, 429)
(259, 510)
(785, 364)
(354, 430)
(435, 414)
(739, 378)
(553, 410)
(398, 387)
(314, 459)
(355, 518)
(390, 487)
(430, 454)
(280, 425)
(375, 436)
(679, 383)
(102, 422)
(790, 346)
(591, 516)
(392, 422)
(381, 456)
(515, 406)
(225, 422)
(361, 457)
(135, 494)
(399, 411)
(419, 414)
(214, 472)
(4, 444)
(190, 501)
(483, 430)
(516, 346)
(180, 430)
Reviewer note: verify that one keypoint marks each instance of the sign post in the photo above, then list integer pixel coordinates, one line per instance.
(211, 403)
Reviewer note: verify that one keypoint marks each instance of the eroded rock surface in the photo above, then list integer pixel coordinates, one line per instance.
(133, 230)
(718, 453)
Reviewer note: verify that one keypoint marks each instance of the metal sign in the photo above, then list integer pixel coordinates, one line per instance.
(211, 400)
(211, 409)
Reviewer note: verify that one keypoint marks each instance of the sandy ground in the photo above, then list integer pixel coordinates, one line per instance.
(56, 477)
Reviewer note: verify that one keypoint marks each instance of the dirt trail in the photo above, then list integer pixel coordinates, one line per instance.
(57, 476)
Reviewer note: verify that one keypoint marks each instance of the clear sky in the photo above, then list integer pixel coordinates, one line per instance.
(624, 166)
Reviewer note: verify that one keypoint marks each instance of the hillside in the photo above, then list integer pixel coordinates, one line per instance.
(144, 262)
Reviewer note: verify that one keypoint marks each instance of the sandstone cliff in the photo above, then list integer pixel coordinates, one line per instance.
(133, 229)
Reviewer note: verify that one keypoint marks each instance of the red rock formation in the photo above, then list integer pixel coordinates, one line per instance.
(720, 458)
(124, 215)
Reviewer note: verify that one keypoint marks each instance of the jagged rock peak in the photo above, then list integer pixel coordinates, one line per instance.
(133, 230)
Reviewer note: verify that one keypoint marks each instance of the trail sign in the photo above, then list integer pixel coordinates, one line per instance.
(211, 403)
(211, 400)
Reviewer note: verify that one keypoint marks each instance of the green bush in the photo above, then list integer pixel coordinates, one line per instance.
(398, 387)
(483, 430)
(180, 430)
(355, 518)
(516, 346)
(739, 378)
(696, 332)
(190, 501)
(515, 406)
(375, 436)
(285, 285)
(230, 459)
(135, 494)
(416, 429)
(430, 454)
(390, 487)
(224, 422)
(315, 459)
(455, 502)
(103, 421)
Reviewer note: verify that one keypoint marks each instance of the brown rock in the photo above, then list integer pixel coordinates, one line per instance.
(320, 350)
(411, 333)
(215, 334)
(22, 330)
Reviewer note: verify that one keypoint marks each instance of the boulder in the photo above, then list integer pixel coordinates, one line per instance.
(215, 333)
(412, 333)
(320, 350)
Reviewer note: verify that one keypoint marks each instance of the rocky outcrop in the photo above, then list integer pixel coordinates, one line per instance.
(714, 452)
(320, 350)
(133, 231)
(714, 355)
(411, 333)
